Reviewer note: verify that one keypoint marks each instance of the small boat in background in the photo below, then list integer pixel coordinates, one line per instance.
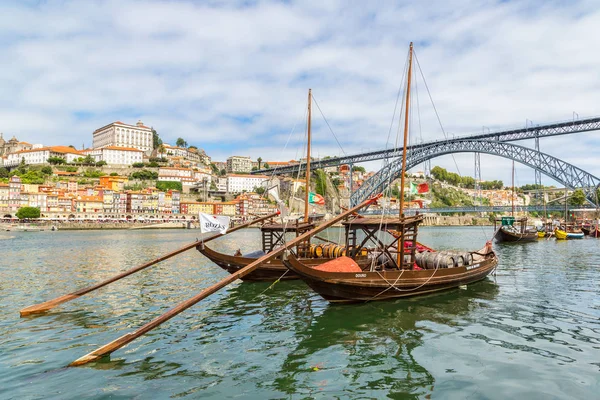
(564, 235)
(508, 232)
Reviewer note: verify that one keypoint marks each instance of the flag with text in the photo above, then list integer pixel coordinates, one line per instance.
(213, 223)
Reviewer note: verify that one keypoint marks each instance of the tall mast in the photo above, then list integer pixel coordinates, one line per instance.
(307, 160)
(410, 54)
(513, 190)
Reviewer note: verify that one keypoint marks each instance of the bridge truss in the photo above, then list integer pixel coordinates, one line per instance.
(555, 129)
(561, 171)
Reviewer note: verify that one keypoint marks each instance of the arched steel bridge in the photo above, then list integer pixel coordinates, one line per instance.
(540, 131)
(561, 171)
(480, 209)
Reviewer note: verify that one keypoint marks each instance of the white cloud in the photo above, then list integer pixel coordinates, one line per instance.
(232, 77)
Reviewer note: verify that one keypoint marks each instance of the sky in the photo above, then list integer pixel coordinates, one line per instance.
(232, 77)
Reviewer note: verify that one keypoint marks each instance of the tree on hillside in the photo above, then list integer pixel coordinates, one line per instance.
(156, 141)
(28, 213)
(259, 159)
(192, 148)
(3, 172)
(181, 142)
(577, 198)
(358, 168)
(56, 160)
(89, 160)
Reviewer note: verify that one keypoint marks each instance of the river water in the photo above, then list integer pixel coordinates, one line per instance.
(531, 331)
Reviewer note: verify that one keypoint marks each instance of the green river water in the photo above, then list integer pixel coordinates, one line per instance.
(532, 331)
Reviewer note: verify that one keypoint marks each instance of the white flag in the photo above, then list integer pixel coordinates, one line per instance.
(274, 193)
(213, 223)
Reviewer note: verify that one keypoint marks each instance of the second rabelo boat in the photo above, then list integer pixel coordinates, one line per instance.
(399, 267)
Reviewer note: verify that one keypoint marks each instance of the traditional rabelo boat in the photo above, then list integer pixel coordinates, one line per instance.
(508, 232)
(399, 266)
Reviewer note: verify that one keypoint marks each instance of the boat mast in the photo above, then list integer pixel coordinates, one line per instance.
(401, 208)
(400, 254)
(307, 160)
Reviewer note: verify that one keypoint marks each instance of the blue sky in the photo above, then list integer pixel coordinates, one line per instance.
(232, 77)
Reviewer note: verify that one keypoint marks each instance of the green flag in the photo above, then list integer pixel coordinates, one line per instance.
(413, 188)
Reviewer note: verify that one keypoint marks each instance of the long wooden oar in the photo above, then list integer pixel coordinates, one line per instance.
(129, 337)
(43, 307)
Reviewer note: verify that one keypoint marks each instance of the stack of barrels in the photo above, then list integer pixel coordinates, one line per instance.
(330, 250)
(443, 259)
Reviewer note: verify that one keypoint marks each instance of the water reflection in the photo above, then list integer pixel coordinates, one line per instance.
(378, 337)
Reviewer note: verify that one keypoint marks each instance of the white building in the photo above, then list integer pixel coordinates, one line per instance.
(41, 155)
(119, 134)
(114, 155)
(240, 183)
(239, 164)
(174, 174)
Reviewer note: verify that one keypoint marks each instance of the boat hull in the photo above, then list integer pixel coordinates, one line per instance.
(562, 235)
(270, 271)
(503, 235)
(347, 287)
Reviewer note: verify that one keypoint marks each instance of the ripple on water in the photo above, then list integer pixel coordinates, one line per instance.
(533, 330)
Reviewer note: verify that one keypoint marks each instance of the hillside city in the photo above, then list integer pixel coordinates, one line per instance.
(130, 174)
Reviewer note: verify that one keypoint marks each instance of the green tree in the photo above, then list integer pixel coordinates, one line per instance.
(577, 198)
(192, 148)
(3, 172)
(22, 166)
(259, 159)
(266, 166)
(320, 182)
(56, 160)
(181, 142)
(144, 175)
(358, 168)
(168, 185)
(223, 172)
(28, 213)
(101, 163)
(89, 160)
(114, 174)
(46, 170)
(156, 140)
(258, 189)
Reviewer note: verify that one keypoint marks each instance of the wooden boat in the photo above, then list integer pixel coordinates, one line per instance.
(343, 281)
(399, 268)
(508, 232)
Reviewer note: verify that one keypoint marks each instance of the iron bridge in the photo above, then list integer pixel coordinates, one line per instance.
(561, 171)
(553, 129)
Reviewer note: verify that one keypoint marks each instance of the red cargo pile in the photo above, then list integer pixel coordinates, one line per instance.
(341, 264)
